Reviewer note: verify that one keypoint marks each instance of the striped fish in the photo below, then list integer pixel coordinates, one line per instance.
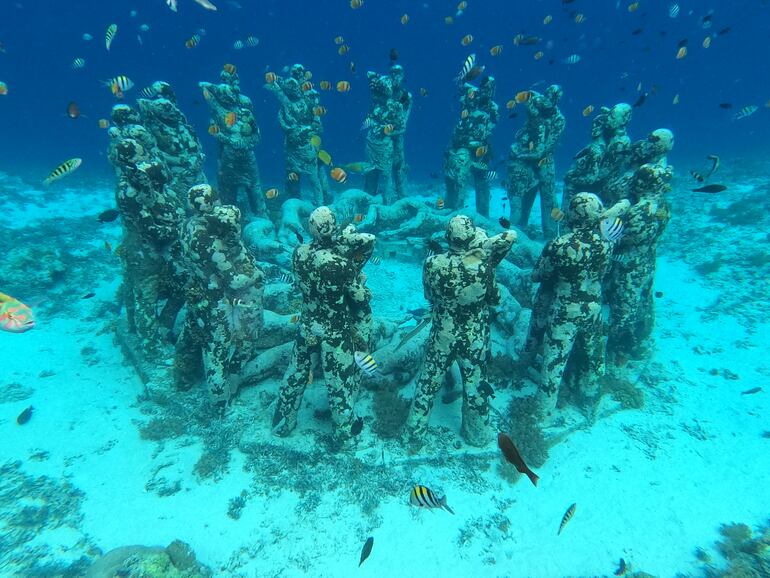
(366, 362)
(63, 170)
(78, 63)
(611, 229)
(470, 62)
(119, 85)
(491, 176)
(148, 92)
(566, 518)
(112, 29)
(746, 112)
(423, 497)
(286, 278)
(376, 260)
(368, 122)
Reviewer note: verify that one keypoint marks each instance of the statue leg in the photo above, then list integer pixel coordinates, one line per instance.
(290, 395)
(472, 360)
(341, 382)
(481, 184)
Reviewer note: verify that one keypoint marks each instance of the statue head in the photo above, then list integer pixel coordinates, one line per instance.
(322, 225)
(460, 231)
(202, 198)
(585, 210)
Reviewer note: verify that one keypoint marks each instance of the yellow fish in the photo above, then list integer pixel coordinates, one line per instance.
(63, 170)
(325, 157)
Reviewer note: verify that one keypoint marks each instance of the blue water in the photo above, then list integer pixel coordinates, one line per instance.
(42, 37)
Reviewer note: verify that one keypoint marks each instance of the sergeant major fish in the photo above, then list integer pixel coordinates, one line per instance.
(423, 497)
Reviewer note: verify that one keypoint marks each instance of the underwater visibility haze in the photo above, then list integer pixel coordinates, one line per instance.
(384, 288)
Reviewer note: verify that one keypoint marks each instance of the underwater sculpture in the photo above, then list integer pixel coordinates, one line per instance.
(629, 289)
(302, 129)
(531, 167)
(461, 288)
(152, 214)
(224, 298)
(567, 310)
(334, 318)
(234, 127)
(177, 144)
(604, 158)
(650, 150)
(385, 126)
(470, 150)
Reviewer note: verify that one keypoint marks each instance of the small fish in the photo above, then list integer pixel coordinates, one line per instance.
(724, 31)
(697, 176)
(423, 91)
(745, 112)
(466, 40)
(357, 426)
(557, 214)
(119, 85)
(504, 223)
(229, 68)
(356, 4)
(375, 260)
(439, 203)
(465, 71)
(658, 294)
(108, 246)
(109, 36)
(710, 189)
(25, 416)
(297, 234)
(87, 37)
(676, 99)
(405, 19)
(271, 193)
(706, 42)
(566, 518)
(496, 50)
(64, 169)
(315, 140)
(423, 497)
(707, 20)
(572, 59)
(548, 19)
(633, 7)
(365, 362)
(270, 77)
(325, 85)
(293, 177)
(238, 45)
(285, 277)
(148, 92)
(193, 41)
(343, 50)
(490, 176)
(252, 41)
(681, 53)
(15, 316)
(78, 63)
(588, 110)
(579, 18)
(512, 456)
(230, 119)
(751, 391)
(339, 175)
(522, 40)
(369, 544)
(622, 568)
(88, 295)
(611, 230)
(73, 110)
(682, 43)
(715, 163)
(108, 216)
(640, 101)
(673, 12)
(206, 4)
(343, 86)
(726, 105)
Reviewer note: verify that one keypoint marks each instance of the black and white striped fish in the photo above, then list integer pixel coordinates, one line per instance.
(491, 176)
(423, 497)
(366, 362)
(148, 92)
(745, 112)
(469, 64)
(611, 229)
(285, 277)
(376, 260)
(368, 122)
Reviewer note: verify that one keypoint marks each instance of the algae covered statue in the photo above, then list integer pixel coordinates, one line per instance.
(300, 119)
(630, 287)
(333, 322)
(224, 298)
(152, 215)
(566, 316)
(234, 127)
(531, 167)
(460, 286)
(385, 124)
(470, 150)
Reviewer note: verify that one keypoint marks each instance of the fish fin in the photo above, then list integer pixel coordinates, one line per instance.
(533, 477)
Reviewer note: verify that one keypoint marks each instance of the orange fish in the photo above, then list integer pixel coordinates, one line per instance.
(343, 50)
(448, 20)
(319, 110)
(270, 77)
(306, 86)
(496, 50)
(229, 68)
(271, 193)
(358, 217)
(213, 129)
(538, 55)
(439, 203)
(343, 86)
(523, 96)
(388, 128)
(104, 123)
(557, 214)
(355, 4)
(339, 175)
(588, 110)
(230, 119)
(294, 318)
(405, 19)
(325, 85)
(193, 41)
(466, 40)
(511, 104)
(481, 151)
(464, 113)
(339, 40)
(15, 317)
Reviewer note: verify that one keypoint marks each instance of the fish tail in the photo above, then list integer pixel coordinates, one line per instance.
(444, 505)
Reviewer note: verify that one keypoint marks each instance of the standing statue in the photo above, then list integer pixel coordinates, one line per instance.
(470, 150)
(300, 119)
(531, 167)
(234, 127)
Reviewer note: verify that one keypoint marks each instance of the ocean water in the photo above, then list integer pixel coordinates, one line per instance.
(676, 485)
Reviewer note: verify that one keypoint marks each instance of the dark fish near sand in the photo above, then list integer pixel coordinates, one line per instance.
(641, 100)
(710, 189)
(566, 518)
(297, 234)
(622, 568)
(393, 55)
(357, 426)
(88, 295)
(366, 550)
(504, 223)
(108, 216)
(751, 391)
(512, 456)
(423, 497)
(25, 416)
